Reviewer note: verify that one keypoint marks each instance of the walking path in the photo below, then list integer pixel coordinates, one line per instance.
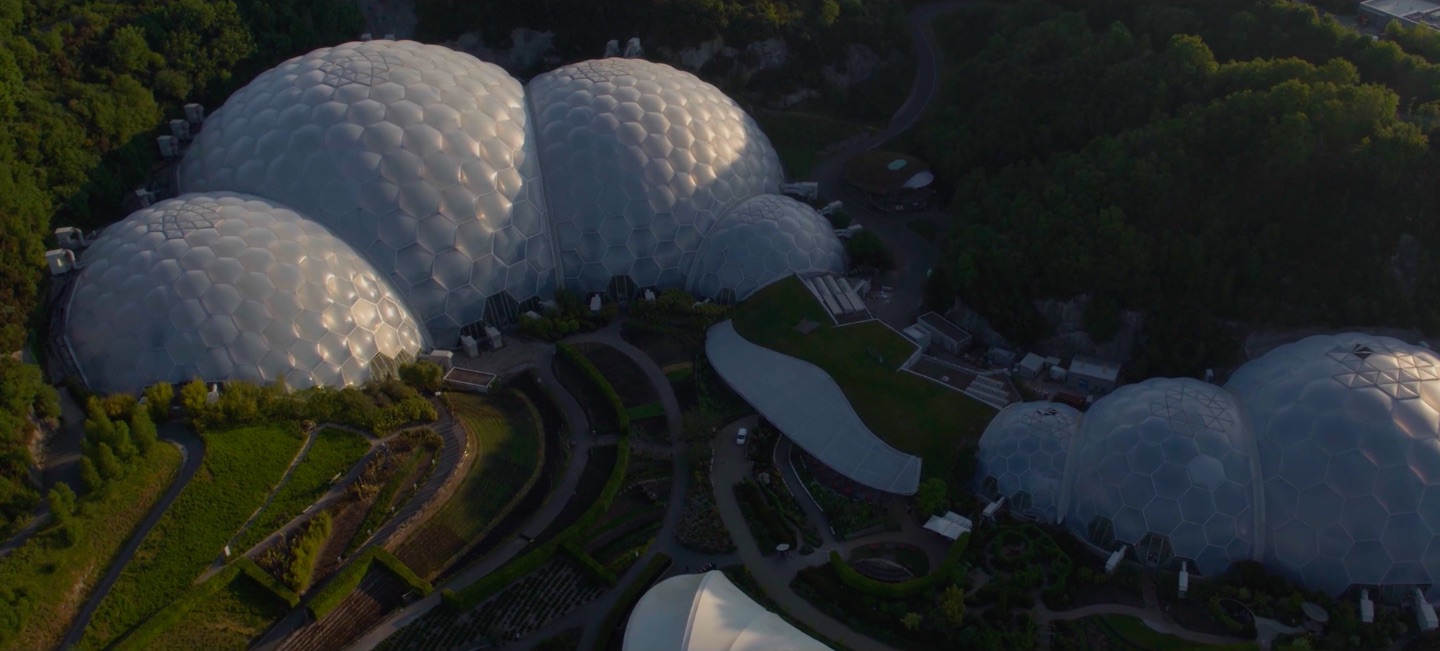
(1157, 620)
(192, 452)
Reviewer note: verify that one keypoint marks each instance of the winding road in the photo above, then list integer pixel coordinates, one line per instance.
(192, 453)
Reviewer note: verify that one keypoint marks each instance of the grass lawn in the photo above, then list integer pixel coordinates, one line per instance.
(334, 452)
(55, 579)
(799, 136)
(1133, 633)
(228, 620)
(907, 411)
(241, 467)
(506, 430)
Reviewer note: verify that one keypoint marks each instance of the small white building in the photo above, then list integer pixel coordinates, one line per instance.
(952, 525)
(1031, 366)
(1092, 375)
(992, 508)
(1184, 579)
(1367, 608)
(918, 335)
(472, 347)
(944, 334)
(1114, 561)
(61, 261)
(1424, 613)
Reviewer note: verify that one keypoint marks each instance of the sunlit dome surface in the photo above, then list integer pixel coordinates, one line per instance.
(761, 240)
(640, 161)
(1165, 466)
(1349, 441)
(416, 155)
(226, 286)
(1022, 456)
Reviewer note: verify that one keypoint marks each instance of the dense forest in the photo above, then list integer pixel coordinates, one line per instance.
(1206, 163)
(84, 86)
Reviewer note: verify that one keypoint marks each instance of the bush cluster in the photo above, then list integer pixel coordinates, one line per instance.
(767, 526)
(306, 553)
(947, 572)
(381, 406)
(569, 316)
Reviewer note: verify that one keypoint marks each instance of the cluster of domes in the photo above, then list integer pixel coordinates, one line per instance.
(474, 197)
(1321, 459)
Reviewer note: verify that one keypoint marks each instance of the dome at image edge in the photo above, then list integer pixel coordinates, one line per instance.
(419, 156)
(224, 287)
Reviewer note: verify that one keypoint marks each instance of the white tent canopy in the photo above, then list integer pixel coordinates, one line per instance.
(951, 525)
(706, 612)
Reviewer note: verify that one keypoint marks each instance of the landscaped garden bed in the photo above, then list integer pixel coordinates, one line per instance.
(240, 468)
(509, 447)
(332, 454)
(765, 523)
(593, 401)
(623, 373)
(849, 516)
(664, 346)
(701, 528)
(655, 429)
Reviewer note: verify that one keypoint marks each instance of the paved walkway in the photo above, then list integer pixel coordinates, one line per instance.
(192, 452)
(1156, 620)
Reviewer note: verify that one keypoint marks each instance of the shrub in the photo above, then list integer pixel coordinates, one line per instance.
(157, 401)
(142, 431)
(424, 376)
(192, 398)
(945, 573)
(588, 563)
(307, 552)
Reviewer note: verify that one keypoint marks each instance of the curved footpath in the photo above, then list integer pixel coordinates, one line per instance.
(192, 452)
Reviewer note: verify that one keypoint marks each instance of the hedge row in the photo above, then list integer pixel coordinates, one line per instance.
(588, 563)
(307, 552)
(657, 565)
(144, 635)
(474, 594)
(579, 359)
(905, 589)
(345, 582)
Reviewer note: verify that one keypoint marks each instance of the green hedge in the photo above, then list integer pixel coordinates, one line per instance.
(472, 595)
(588, 563)
(345, 582)
(144, 635)
(905, 589)
(579, 359)
(632, 594)
(307, 552)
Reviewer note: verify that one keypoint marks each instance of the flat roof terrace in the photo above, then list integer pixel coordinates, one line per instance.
(810, 408)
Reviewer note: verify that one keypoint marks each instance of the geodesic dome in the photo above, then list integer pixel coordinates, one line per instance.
(761, 240)
(1165, 466)
(224, 287)
(640, 160)
(417, 155)
(1022, 456)
(1349, 443)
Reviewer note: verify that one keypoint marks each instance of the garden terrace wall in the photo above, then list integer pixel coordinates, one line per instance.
(577, 358)
(905, 589)
(474, 594)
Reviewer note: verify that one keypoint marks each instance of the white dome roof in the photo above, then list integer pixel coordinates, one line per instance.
(1166, 466)
(226, 286)
(641, 159)
(706, 612)
(1024, 449)
(417, 155)
(761, 240)
(1348, 428)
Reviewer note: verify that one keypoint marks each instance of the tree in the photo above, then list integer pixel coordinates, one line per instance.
(129, 53)
(193, 398)
(107, 463)
(142, 431)
(424, 376)
(952, 605)
(931, 497)
(865, 249)
(89, 475)
(157, 399)
(911, 621)
(62, 500)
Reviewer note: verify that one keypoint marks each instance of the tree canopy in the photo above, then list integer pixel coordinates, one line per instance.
(1250, 161)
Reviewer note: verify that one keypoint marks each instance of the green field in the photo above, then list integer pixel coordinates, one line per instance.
(334, 452)
(909, 412)
(55, 579)
(799, 137)
(505, 430)
(228, 620)
(241, 467)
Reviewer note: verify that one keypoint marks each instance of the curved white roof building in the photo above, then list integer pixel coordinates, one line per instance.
(706, 612)
(640, 161)
(417, 155)
(227, 286)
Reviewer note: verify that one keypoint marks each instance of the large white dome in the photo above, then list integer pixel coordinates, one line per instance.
(640, 160)
(1349, 438)
(1165, 466)
(224, 287)
(1022, 456)
(417, 155)
(761, 240)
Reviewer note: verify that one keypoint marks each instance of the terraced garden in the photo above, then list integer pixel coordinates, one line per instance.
(332, 454)
(231, 619)
(509, 443)
(240, 469)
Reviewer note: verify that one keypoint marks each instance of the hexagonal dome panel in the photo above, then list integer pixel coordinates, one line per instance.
(309, 301)
(627, 140)
(764, 239)
(1147, 458)
(1349, 427)
(1023, 452)
(396, 146)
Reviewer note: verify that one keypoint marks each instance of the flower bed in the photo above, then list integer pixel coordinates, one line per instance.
(701, 528)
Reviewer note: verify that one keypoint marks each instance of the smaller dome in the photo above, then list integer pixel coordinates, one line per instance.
(761, 240)
(1166, 466)
(225, 287)
(1022, 456)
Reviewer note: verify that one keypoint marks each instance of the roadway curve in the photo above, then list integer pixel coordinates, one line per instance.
(192, 452)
